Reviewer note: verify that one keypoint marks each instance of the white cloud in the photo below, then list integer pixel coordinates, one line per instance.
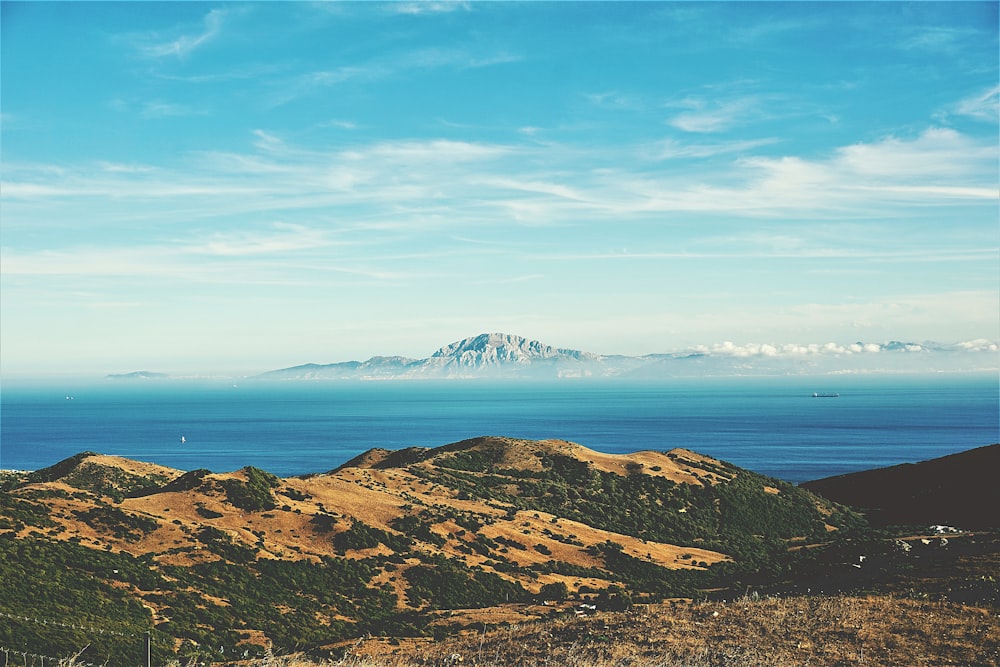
(340, 124)
(984, 106)
(938, 39)
(463, 181)
(435, 150)
(182, 45)
(940, 166)
(715, 115)
(160, 109)
(936, 153)
(426, 7)
(283, 238)
(798, 350)
(288, 89)
(614, 100)
(978, 345)
(669, 149)
(121, 168)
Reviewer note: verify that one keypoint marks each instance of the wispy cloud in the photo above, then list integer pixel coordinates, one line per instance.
(289, 89)
(669, 149)
(155, 45)
(984, 106)
(282, 238)
(937, 39)
(939, 165)
(340, 124)
(160, 109)
(705, 115)
(757, 31)
(122, 168)
(615, 100)
(426, 7)
(550, 184)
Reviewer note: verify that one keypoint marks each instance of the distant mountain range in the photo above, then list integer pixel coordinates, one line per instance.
(502, 355)
(137, 375)
(485, 355)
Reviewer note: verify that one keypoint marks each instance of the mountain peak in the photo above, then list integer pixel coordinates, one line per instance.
(491, 349)
(495, 349)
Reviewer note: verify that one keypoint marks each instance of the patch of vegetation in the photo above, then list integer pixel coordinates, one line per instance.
(362, 536)
(187, 482)
(104, 480)
(15, 513)
(736, 515)
(323, 523)
(69, 585)
(652, 580)
(125, 526)
(472, 460)
(255, 494)
(557, 590)
(418, 529)
(11, 479)
(220, 543)
(295, 603)
(445, 584)
(206, 513)
(294, 494)
(59, 470)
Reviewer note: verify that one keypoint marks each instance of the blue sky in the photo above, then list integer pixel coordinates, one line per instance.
(239, 187)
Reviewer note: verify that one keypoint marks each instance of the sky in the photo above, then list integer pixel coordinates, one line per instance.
(230, 187)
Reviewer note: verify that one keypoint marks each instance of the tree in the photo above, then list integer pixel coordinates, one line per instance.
(557, 590)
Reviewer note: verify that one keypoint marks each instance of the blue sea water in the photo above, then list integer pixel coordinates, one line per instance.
(769, 425)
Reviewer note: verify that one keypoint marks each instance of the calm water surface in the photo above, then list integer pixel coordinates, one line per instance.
(772, 426)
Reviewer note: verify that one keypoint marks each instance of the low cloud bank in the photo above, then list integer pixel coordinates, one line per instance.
(730, 349)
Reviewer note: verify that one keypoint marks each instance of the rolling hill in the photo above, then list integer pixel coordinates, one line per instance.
(392, 543)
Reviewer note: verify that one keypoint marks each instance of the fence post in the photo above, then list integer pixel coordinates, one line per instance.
(149, 662)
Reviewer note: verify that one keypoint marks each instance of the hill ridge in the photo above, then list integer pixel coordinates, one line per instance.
(955, 490)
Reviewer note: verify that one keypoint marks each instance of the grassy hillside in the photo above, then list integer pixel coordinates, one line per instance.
(413, 543)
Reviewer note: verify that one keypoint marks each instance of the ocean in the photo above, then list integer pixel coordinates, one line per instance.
(774, 426)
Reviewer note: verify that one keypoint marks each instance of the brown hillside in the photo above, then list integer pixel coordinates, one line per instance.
(679, 465)
(375, 488)
(479, 523)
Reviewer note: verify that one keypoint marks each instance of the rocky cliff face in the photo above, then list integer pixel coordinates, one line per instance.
(496, 349)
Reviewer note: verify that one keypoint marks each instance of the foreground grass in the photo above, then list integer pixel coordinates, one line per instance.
(822, 631)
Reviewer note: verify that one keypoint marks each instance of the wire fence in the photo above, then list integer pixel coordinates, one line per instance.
(89, 629)
(27, 658)
(14, 657)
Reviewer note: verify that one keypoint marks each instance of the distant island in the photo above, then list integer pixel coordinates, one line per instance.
(137, 375)
(504, 355)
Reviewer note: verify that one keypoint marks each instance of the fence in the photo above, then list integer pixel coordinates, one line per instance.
(142, 639)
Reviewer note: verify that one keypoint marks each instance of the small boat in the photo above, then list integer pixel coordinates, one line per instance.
(183, 439)
(819, 395)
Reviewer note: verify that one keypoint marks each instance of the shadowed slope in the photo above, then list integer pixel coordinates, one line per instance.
(957, 490)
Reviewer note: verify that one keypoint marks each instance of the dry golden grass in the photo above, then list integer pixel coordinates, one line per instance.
(371, 495)
(812, 630)
(827, 631)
